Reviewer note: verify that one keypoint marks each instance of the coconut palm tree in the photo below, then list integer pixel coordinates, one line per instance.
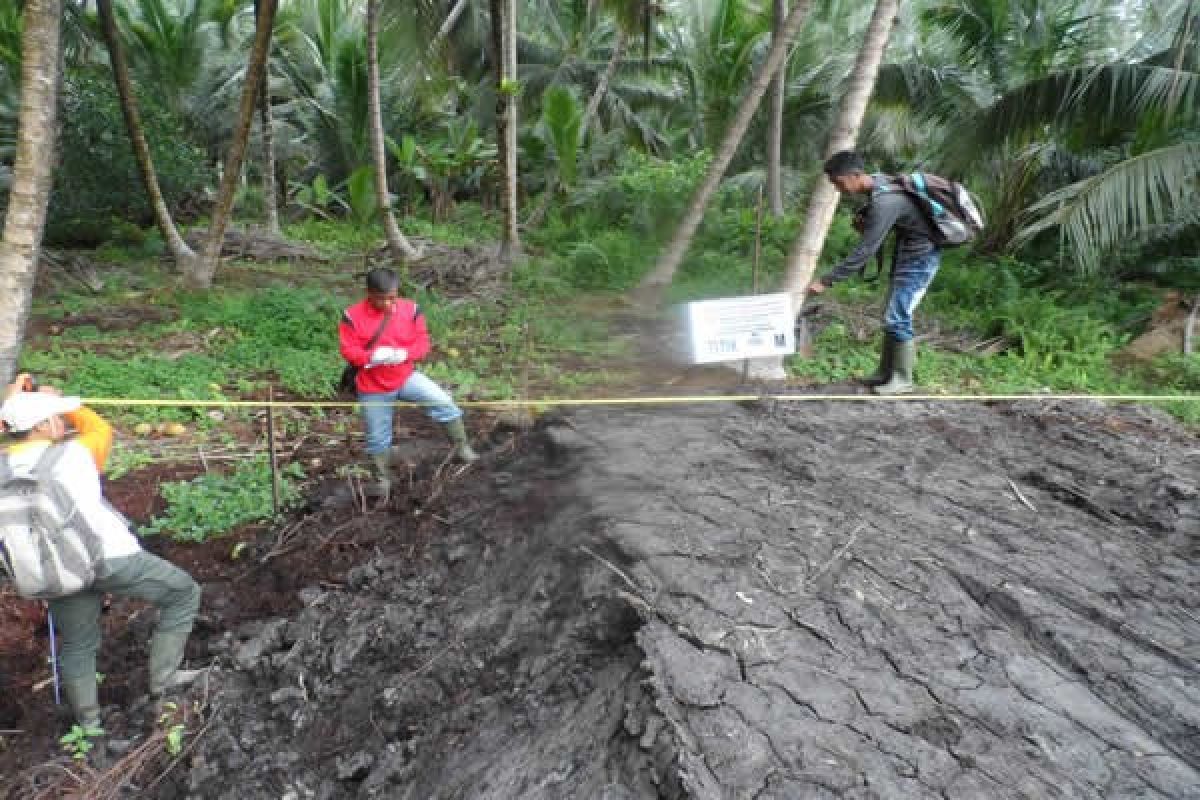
(266, 119)
(176, 246)
(399, 246)
(587, 47)
(25, 218)
(802, 260)
(1103, 154)
(504, 63)
(663, 272)
(170, 47)
(205, 269)
(775, 125)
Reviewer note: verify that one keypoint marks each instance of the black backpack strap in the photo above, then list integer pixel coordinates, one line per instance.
(383, 323)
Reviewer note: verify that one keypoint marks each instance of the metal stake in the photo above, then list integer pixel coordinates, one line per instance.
(271, 449)
(54, 659)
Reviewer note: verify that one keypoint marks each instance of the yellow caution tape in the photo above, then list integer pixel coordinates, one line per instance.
(650, 401)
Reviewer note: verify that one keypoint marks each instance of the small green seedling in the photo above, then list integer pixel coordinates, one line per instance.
(78, 741)
(173, 743)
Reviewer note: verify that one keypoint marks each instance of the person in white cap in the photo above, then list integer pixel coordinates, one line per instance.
(38, 422)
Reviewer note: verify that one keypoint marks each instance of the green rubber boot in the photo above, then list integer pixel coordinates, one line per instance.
(83, 697)
(456, 432)
(883, 372)
(166, 654)
(381, 468)
(904, 355)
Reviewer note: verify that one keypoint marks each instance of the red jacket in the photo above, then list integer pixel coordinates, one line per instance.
(405, 329)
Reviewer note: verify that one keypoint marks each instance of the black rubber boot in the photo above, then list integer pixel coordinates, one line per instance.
(883, 372)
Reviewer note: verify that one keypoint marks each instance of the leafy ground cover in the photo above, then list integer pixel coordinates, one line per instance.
(555, 326)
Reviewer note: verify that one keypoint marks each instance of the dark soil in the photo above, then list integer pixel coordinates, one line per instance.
(765, 600)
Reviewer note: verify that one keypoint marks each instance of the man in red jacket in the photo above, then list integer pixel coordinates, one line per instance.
(383, 337)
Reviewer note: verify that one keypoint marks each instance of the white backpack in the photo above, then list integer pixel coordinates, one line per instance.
(46, 547)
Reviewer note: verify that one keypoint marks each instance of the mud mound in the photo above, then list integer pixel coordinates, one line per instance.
(784, 601)
(793, 600)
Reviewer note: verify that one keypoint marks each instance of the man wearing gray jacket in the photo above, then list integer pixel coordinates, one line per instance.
(916, 263)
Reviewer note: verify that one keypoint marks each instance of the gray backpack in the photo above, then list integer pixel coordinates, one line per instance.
(46, 547)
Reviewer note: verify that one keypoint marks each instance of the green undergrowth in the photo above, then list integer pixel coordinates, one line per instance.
(1055, 332)
(215, 502)
(274, 324)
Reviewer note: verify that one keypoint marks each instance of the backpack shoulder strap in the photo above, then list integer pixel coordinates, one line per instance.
(383, 323)
(49, 460)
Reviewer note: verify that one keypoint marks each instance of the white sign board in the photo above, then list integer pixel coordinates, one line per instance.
(734, 328)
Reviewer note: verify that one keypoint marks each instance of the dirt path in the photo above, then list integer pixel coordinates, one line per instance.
(789, 600)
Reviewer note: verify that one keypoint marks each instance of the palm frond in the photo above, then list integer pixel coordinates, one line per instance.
(943, 92)
(1096, 214)
(1114, 94)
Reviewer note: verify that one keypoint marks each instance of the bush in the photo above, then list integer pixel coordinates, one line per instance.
(645, 197)
(97, 189)
(611, 260)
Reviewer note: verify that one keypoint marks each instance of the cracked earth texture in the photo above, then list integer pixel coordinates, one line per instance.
(768, 600)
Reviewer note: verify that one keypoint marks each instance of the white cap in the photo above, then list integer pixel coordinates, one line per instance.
(25, 409)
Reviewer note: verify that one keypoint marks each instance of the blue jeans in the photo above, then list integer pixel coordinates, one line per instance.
(378, 410)
(909, 281)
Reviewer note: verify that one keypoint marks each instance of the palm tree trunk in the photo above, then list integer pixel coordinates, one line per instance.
(511, 245)
(176, 246)
(663, 272)
(506, 122)
(267, 125)
(775, 126)
(398, 246)
(593, 106)
(33, 170)
(270, 187)
(802, 260)
(206, 266)
(449, 23)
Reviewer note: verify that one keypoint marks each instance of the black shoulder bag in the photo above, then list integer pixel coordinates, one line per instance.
(348, 383)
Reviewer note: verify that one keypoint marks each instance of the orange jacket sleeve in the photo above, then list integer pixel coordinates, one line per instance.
(94, 433)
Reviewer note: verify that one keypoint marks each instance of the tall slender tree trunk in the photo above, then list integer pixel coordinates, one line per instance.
(775, 126)
(664, 271)
(267, 125)
(398, 246)
(270, 186)
(506, 123)
(802, 260)
(206, 266)
(33, 170)
(448, 24)
(176, 246)
(614, 61)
